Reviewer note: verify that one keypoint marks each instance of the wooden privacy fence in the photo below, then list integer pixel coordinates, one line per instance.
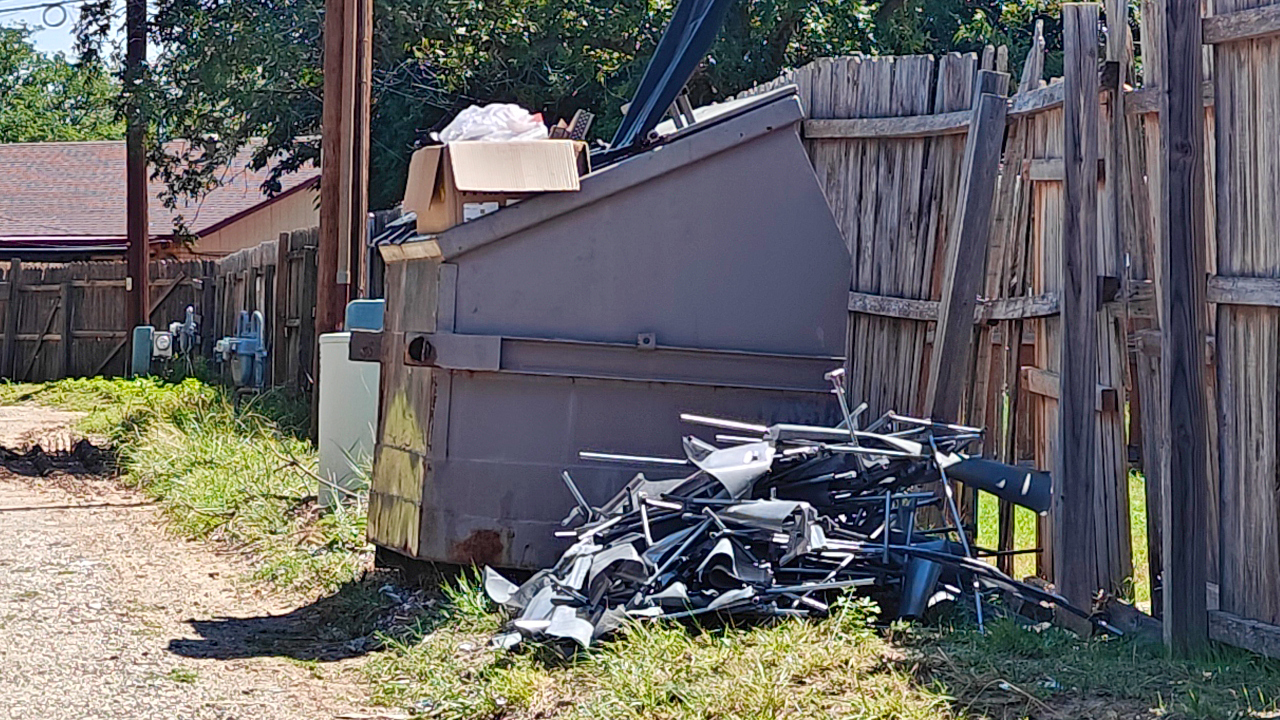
(1241, 61)
(1066, 334)
(886, 136)
(278, 278)
(43, 305)
(907, 150)
(68, 319)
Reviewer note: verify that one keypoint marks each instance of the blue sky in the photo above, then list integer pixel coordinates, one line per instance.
(47, 39)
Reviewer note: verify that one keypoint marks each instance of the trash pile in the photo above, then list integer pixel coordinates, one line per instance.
(777, 520)
(496, 122)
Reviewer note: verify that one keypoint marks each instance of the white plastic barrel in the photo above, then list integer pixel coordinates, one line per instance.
(348, 414)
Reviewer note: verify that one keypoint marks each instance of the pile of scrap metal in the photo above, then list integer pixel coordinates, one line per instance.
(777, 520)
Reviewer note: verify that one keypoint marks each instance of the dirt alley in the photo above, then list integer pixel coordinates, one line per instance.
(104, 614)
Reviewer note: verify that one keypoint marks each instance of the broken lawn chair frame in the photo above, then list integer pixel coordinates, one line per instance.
(774, 521)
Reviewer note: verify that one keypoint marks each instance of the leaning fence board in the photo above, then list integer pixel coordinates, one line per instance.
(1076, 570)
(967, 249)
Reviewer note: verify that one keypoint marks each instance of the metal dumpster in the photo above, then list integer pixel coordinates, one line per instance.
(704, 274)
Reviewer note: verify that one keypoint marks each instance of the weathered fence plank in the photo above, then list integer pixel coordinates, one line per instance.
(65, 342)
(13, 300)
(1247, 177)
(1076, 569)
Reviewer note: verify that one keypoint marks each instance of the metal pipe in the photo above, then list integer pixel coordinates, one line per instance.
(724, 424)
(620, 458)
(964, 539)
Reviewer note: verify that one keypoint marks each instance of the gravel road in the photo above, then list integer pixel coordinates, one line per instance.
(103, 614)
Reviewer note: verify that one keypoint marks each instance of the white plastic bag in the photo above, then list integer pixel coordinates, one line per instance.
(498, 122)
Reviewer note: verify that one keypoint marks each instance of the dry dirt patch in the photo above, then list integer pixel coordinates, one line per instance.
(97, 601)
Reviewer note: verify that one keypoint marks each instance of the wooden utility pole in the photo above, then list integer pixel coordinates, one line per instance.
(1075, 544)
(344, 155)
(1182, 276)
(137, 226)
(330, 297)
(363, 92)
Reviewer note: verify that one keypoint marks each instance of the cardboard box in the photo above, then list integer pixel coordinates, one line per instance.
(454, 183)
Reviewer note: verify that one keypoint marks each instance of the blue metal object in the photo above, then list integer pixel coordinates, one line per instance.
(140, 360)
(365, 315)
(246, 351)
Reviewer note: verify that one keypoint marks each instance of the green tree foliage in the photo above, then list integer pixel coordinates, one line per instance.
(230, 71)
(48, 98)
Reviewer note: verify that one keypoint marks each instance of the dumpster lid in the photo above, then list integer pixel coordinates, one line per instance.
(719, 127)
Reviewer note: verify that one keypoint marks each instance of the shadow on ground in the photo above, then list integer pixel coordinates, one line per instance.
(80, 458)
(349, 623)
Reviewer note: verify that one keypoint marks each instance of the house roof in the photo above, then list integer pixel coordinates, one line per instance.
(72, 194)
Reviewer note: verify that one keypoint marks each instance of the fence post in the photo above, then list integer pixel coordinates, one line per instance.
(279, 360)
(9, 358)
(1076, 552)
(962, 275)
(208, 314)
(308, 364)
(68, 342)
(1182, 275)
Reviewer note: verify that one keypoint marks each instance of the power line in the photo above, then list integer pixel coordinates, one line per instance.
(41, 6)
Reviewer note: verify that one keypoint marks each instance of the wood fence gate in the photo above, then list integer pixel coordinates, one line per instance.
(67, 319)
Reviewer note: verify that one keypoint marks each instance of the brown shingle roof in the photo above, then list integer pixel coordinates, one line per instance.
(77, 189)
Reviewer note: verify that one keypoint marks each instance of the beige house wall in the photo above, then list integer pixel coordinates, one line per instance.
(292, 212)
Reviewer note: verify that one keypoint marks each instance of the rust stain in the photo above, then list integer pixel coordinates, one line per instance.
(481, 547)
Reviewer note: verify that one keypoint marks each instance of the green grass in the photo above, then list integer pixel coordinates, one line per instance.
(836, 668)
(1024, 532)
(1014, 668)
(840, 667)
(241, 475)
(1138, 536)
